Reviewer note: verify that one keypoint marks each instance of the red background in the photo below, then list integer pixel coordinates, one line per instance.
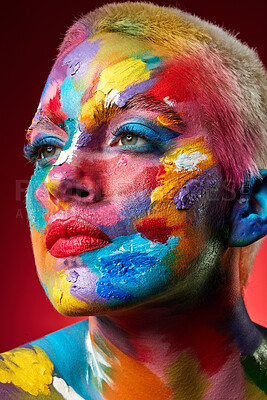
(30, 33)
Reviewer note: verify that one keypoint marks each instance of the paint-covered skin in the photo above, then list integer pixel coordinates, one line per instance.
(121, 155)
(44, 369)
(144, 136)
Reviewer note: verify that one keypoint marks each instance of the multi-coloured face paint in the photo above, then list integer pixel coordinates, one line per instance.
(147, 113)
(103, 203)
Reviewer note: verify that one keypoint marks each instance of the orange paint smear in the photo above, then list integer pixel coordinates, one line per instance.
(132, 381)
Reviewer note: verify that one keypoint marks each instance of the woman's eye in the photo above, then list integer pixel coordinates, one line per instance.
(131, 139)
(136, 137)
(48, 151)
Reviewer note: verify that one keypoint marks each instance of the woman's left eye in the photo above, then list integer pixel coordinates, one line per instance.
(48, 151)
(131, 139)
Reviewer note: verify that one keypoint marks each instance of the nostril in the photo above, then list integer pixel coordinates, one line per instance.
(78, 192)
(82, 193)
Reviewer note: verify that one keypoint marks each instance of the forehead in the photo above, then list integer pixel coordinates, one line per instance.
(102, 50)
(112, 68)
(105, 73)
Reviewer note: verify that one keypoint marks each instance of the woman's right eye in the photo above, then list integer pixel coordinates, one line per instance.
(48, 150)
(43, 150)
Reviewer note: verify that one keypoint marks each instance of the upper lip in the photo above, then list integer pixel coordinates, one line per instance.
(70, 228)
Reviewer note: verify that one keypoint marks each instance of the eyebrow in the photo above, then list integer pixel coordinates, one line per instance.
(104, 114)
(148, 103)
(44, 123)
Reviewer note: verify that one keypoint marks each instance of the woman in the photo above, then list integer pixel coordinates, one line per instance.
(148, 195)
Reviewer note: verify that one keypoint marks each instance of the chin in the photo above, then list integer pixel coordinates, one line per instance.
(70, 306)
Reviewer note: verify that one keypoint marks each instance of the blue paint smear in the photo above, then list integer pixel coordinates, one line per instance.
(131, 266)
(249, 222)
(147, 130)
(108, 290)
(70, 98)
(245, 332)
(67, 350)
(122, 269)
(35, 209)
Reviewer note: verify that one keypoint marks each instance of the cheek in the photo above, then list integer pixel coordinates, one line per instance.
(165, 219)
(129, 175)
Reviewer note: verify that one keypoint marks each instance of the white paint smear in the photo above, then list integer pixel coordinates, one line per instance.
(189, 161)
(66, 391)
(67, 155)
(171, 103)
(111, 98)
(97, 362)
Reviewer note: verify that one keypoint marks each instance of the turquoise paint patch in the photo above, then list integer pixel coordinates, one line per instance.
(45, 289)
(47, 84)
(70, 98)
(151, 61)
(35, 209)
(71, 126)
(67, 350)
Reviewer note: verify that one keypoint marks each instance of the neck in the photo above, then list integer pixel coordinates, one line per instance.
(158, 351)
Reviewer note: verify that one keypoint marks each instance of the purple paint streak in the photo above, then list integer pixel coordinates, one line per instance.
(194, 189)
(79, 58)
(84, 284)
(131, 91)
(84, 137)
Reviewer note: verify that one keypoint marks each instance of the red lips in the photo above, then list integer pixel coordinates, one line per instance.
(74, 236)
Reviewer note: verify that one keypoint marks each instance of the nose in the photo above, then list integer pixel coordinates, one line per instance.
(70, 184)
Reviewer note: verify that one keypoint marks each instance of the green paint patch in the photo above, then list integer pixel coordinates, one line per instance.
(255, 366)
(186, 379)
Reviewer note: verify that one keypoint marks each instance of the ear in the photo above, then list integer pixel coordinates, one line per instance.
(249, 215)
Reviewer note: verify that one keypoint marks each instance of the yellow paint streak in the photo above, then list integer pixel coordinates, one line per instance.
(64, 301)
(28, 369)
(171, 180)
(253, 392)
(115, 77)
(123, 74)
(186, 378)
(170, 120)
(162, 206)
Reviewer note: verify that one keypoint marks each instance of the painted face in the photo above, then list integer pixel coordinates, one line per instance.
(119, 203)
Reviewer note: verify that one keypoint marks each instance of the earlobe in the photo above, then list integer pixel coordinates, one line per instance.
(249, 214)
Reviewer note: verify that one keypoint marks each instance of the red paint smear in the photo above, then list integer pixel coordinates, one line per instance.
(156, 229)
(212, 356)
(175, 82)
(53, 110)
(205, 341)
(90, 91)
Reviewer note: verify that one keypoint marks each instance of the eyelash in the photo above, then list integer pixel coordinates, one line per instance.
(32, 149)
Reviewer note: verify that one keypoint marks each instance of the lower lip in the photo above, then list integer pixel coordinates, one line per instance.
(79, 244)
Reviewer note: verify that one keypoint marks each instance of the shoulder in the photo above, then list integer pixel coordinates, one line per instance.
(26, 373)
(40, 369)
